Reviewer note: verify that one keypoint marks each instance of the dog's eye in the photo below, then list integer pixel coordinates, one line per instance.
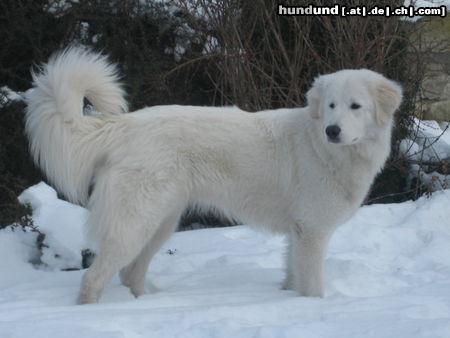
(355, 106)
(331, 105)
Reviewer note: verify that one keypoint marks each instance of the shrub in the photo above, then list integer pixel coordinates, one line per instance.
(17, 170)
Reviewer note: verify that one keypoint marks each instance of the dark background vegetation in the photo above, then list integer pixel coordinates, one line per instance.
(233, 52)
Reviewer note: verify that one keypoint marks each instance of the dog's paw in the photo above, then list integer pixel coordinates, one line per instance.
(84, 298)
(138, 290)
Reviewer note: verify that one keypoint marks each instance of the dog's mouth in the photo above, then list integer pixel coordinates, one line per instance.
(333, 140)
(338, 140)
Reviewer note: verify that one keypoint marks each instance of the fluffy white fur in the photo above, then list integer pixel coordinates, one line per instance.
(276, 169)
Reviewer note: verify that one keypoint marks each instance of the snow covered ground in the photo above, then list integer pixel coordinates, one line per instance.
(388, 275)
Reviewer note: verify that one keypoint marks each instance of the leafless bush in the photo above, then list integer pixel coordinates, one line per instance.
(264, 60)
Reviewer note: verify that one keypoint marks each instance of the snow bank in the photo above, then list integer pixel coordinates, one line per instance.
(424, 4)
(61, 222)
(17, 249)
(431, 137)
(393, 247)
(428, 3)
(430, 142)
(388, 275)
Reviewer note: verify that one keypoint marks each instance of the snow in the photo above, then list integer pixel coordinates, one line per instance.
(424, 4)
(428, 143)
(388, 275)
(7, 95)
(61, 222)
(431, 137)
(428, 3)
(17, 250)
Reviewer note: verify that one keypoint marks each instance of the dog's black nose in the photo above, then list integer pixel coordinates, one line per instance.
(333, 132)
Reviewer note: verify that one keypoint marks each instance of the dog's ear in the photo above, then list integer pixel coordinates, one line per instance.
(389, 95)
(314, 97)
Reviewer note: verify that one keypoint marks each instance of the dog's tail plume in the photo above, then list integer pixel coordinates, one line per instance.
(66, 144)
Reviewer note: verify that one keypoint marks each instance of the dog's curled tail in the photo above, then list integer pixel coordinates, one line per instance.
(65, 143)
(73, 74)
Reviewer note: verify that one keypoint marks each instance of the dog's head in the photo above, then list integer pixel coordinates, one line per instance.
(351, 105)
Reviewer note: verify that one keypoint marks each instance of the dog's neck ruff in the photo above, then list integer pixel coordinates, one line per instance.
(366, 158)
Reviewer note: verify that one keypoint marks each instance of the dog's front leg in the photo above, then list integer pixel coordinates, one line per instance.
(288, 283)
(307, 246)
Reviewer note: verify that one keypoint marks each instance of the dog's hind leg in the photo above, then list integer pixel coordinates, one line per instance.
(116, 250)
(125, 219)
(133, 275)
(111, 257)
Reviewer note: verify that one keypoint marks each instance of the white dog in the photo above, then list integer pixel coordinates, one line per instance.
(301, 172)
